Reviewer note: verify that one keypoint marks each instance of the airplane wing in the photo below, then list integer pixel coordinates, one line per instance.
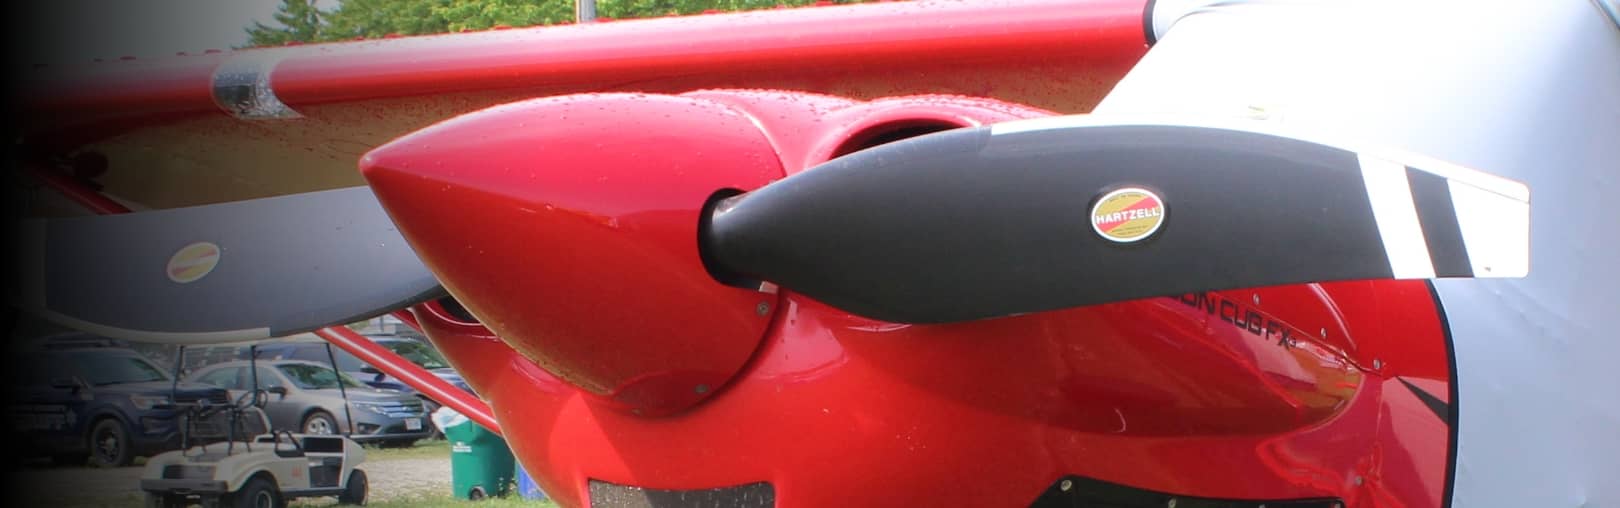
(234, 271)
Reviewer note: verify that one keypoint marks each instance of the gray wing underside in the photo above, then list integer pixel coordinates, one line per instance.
(283, 265)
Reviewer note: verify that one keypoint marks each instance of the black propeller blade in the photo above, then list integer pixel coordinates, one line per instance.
(232, 271)
(1070, 211)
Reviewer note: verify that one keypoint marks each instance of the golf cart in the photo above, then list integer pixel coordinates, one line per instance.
(230, 457)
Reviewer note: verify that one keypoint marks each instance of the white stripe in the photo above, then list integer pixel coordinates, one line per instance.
(1482, 180)
(1393, 208)
(1495, 230)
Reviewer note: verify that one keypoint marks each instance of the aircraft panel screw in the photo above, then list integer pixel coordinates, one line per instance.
(1257, 298)
(1378, 364)
(1324, 333)
(1066, 485)
(1172, 503)
(701, 389)
(762, 309)
(1358, 480)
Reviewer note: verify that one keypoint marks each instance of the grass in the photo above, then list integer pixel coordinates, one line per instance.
(424, 449)
(445, 501)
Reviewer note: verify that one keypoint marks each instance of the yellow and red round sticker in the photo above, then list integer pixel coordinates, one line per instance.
(193, 262)
(1127, 215)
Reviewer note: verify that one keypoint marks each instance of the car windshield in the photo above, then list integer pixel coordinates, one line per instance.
(419, 354)
(347, 362)
(318, 353)
(112, 369)
(313, 377)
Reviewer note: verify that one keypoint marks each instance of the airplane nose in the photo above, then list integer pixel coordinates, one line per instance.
(569, 226)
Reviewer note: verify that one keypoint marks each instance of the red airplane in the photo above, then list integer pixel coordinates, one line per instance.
(1042, 253)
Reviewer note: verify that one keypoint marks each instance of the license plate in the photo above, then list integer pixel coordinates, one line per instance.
(413, 424)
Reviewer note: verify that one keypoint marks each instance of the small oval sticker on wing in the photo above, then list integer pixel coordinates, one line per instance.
(193, 262)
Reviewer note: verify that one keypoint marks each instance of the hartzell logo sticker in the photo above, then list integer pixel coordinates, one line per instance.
(1128, 215)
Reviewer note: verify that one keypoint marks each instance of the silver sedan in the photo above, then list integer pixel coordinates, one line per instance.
(305, 397)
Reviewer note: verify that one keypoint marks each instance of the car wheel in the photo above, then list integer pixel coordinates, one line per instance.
(257, 493)
(109, 444)
(354, 492)
(320, 423)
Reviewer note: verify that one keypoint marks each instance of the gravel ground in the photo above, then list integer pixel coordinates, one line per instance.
(394, 474)
(402, 478)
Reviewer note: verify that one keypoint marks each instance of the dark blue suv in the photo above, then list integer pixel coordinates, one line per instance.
(105, 403)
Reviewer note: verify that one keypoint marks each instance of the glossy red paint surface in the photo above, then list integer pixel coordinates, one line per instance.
(1076, 46)
(839, 410)
(124, 88)
(1270, 393)
(618, 181)
(536, 213)
(831, 41)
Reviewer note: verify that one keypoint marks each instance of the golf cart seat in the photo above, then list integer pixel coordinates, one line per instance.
(286, 444)
(253, 423)
(217, 426)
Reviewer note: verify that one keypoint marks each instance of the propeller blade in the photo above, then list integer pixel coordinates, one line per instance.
(1061, 212)
(226, 272)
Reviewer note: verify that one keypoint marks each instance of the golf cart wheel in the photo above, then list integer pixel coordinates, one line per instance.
(109, 444)
(476, 494)
(320, 423)
(355, 490)
(154, 500)
(257, 493)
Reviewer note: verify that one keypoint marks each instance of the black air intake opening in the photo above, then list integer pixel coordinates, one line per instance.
(889, 132)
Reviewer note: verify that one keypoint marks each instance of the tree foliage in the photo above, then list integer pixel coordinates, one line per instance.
(301, 21)
(377, 18)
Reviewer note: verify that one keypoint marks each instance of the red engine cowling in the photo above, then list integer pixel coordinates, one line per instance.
(569, 227)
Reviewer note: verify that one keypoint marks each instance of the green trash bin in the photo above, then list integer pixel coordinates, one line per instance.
(481, 464)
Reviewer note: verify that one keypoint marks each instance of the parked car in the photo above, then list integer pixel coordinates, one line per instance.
(418, 352)
(83, 397)
(423, 355)
(305, 397)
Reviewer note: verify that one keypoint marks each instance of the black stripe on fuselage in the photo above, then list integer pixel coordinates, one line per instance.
(1439, 407)
(1431, 194)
